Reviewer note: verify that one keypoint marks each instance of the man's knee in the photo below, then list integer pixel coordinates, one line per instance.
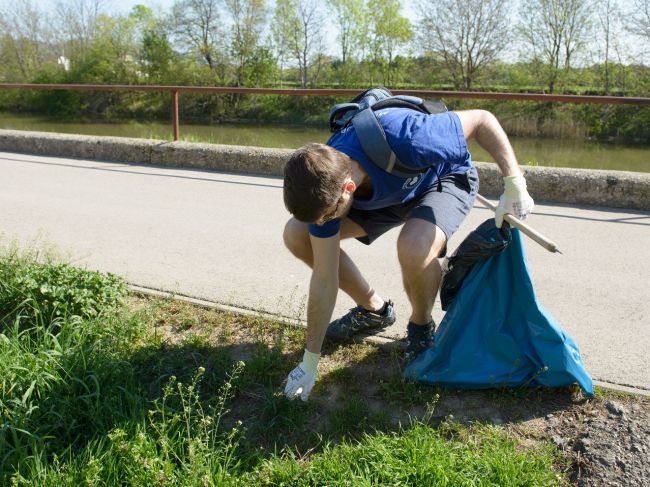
(296, 238)
(419, 245)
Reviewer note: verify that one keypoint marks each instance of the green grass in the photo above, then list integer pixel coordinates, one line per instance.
(95, 392)
(447, 456)
(402, 392)
(29, 288)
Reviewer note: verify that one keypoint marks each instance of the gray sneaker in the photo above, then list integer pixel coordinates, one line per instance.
(359, 320)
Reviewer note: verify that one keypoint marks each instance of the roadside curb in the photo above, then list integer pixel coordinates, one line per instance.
(381, 341)
(615, 189)
(377, 340)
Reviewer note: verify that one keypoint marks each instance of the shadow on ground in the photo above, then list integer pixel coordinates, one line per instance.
(360, 391)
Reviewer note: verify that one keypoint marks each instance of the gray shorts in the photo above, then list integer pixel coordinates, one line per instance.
(445, 204)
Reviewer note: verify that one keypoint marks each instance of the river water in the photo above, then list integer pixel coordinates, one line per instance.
(530, 151)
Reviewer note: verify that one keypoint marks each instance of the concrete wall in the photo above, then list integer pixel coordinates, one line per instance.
(618, 189)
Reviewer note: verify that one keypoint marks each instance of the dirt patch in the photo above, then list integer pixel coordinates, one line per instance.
(608, 441)
(601, 441)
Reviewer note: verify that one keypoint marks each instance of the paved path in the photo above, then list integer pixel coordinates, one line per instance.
(218, 237)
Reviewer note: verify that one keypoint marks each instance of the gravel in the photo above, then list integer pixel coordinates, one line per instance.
(608, 442)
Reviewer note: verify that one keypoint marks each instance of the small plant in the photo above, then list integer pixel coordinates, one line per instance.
(352, 416)
(182, 441)
(407, 393)
(57, 290)
(279, 414)
(265, 367)
(338, 375)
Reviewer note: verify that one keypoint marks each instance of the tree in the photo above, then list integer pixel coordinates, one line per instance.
(555, 31)
(389, 30)
(467, 35)
(78, 23)
(112, 55)
(297, 30)
(352, 22)
(248, 17)
(197, 24)
(156, 55)
(639, 19)
(278, 37)
(25, 41)
(608, 21)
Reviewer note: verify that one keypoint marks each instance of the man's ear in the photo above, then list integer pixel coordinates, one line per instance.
(349, 186)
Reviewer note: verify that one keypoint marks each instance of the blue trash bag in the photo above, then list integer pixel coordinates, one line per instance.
(496, 334)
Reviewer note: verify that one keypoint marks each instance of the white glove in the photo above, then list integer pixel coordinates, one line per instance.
(302, 378)
(514, 200)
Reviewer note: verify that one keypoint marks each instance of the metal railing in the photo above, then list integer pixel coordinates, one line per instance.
(175, 90)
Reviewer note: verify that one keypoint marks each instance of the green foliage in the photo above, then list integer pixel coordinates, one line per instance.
(389, 29)
(352, 19)
(352, 415)
(73, 405)
(278, 415)
(157, 56)
(260, 69)
(62, 383)
(48, 291)
(178, 443)
(616, 121)
(420, 455)
(265, 367)
(402, 392)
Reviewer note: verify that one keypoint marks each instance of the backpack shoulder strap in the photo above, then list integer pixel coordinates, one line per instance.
(374, 143)
(360, 111)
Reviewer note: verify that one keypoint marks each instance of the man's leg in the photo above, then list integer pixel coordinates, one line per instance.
(437, 215)
(296, 238)
(419, 245)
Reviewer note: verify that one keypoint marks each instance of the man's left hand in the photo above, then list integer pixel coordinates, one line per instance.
(301, 380)
(515, 199)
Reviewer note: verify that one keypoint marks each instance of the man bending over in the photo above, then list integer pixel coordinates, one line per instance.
(335, 192)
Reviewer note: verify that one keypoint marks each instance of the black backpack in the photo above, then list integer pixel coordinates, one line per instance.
(360, 112)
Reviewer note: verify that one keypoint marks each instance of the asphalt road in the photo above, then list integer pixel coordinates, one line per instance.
(218, 237)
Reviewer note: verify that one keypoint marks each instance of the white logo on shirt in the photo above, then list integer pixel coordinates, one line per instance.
(412, 182)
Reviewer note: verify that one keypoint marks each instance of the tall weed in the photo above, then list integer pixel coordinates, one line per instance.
(177, 443)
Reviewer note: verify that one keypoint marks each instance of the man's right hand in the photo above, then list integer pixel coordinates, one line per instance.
(301, 380)
(515, 199)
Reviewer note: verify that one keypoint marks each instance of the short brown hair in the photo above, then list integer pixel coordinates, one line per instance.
(313, 178)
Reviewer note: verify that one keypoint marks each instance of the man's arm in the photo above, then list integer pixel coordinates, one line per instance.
(486, 129)
(323, 288)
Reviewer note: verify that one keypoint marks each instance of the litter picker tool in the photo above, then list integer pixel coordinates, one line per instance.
(517, 223)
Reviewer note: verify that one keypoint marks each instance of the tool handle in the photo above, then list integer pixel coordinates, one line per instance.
(517, 223)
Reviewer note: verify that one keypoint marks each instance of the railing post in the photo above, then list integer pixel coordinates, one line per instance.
(175, 115)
